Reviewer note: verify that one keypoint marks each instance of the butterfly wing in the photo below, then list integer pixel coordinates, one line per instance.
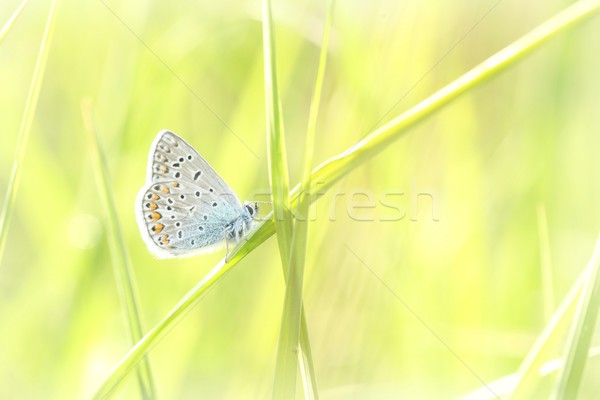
(186, 207)
(173, 159)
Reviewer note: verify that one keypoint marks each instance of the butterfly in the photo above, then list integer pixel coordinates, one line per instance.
(185, 207)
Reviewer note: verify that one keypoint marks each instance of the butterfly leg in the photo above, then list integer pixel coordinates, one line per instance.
(226, 251)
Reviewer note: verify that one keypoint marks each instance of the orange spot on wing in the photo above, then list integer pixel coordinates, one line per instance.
(155, 197)
(155, 216)
(165, 239)
(164, 169)
(158, 228)
(175, 184)
(164, 189)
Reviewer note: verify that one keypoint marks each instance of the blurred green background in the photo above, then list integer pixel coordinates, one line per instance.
(526, 141)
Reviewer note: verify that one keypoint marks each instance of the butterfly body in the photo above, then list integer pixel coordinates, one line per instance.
(185, 208)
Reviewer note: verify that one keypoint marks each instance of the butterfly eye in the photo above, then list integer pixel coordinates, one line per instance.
(250, 209)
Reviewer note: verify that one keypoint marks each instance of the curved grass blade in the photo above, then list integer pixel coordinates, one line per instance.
(545, 346)
(293, 294)
(504, 386)
(331, 171)
(324, 176)
(545, 264)
(582, 331)
(30, 106)
(120, 259)
(185, 305)
(539, 361)
(278, 168)
(284, 386)
(9, 24)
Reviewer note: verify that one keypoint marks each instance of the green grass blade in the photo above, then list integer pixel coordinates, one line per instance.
(545, 262)
(284, 386)
(329, 172)
(137, 353)
(551, 337)
(505, 385)
(540, 359)
(120, 259)
(582, 331)
(29, 112)
(293, 295)
(278, 169)
(314, 107)
(9, 24)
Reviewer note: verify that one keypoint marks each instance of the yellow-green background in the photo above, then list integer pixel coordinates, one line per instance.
(529, 138)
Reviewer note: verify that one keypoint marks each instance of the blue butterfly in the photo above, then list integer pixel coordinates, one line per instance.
(186, 208)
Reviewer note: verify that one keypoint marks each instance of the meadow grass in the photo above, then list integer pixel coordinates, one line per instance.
(294, 345)
(123, 271)
(9, 24)
(284, 386)
(27, 119)
(383, 356)
(581, 332)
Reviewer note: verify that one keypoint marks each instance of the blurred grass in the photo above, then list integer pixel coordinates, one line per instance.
(545, 347)
(545, 262)
(581, 333)
(540, 362)
(9, 24)
(27, 119)
(293, 345)
(284, 385)
(524, 138)
(124, 277)
(298, 244)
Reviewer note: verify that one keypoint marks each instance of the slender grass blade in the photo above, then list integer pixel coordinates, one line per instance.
(9, 24)
(30, 107)
(120, 259)
(582, 331)
(293, 295)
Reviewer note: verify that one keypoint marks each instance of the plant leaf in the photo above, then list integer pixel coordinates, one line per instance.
(9, 24)
(545, 346)
(284, 386)
(23, 138)
(293, 294)
(122, 269)
(582, 331)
